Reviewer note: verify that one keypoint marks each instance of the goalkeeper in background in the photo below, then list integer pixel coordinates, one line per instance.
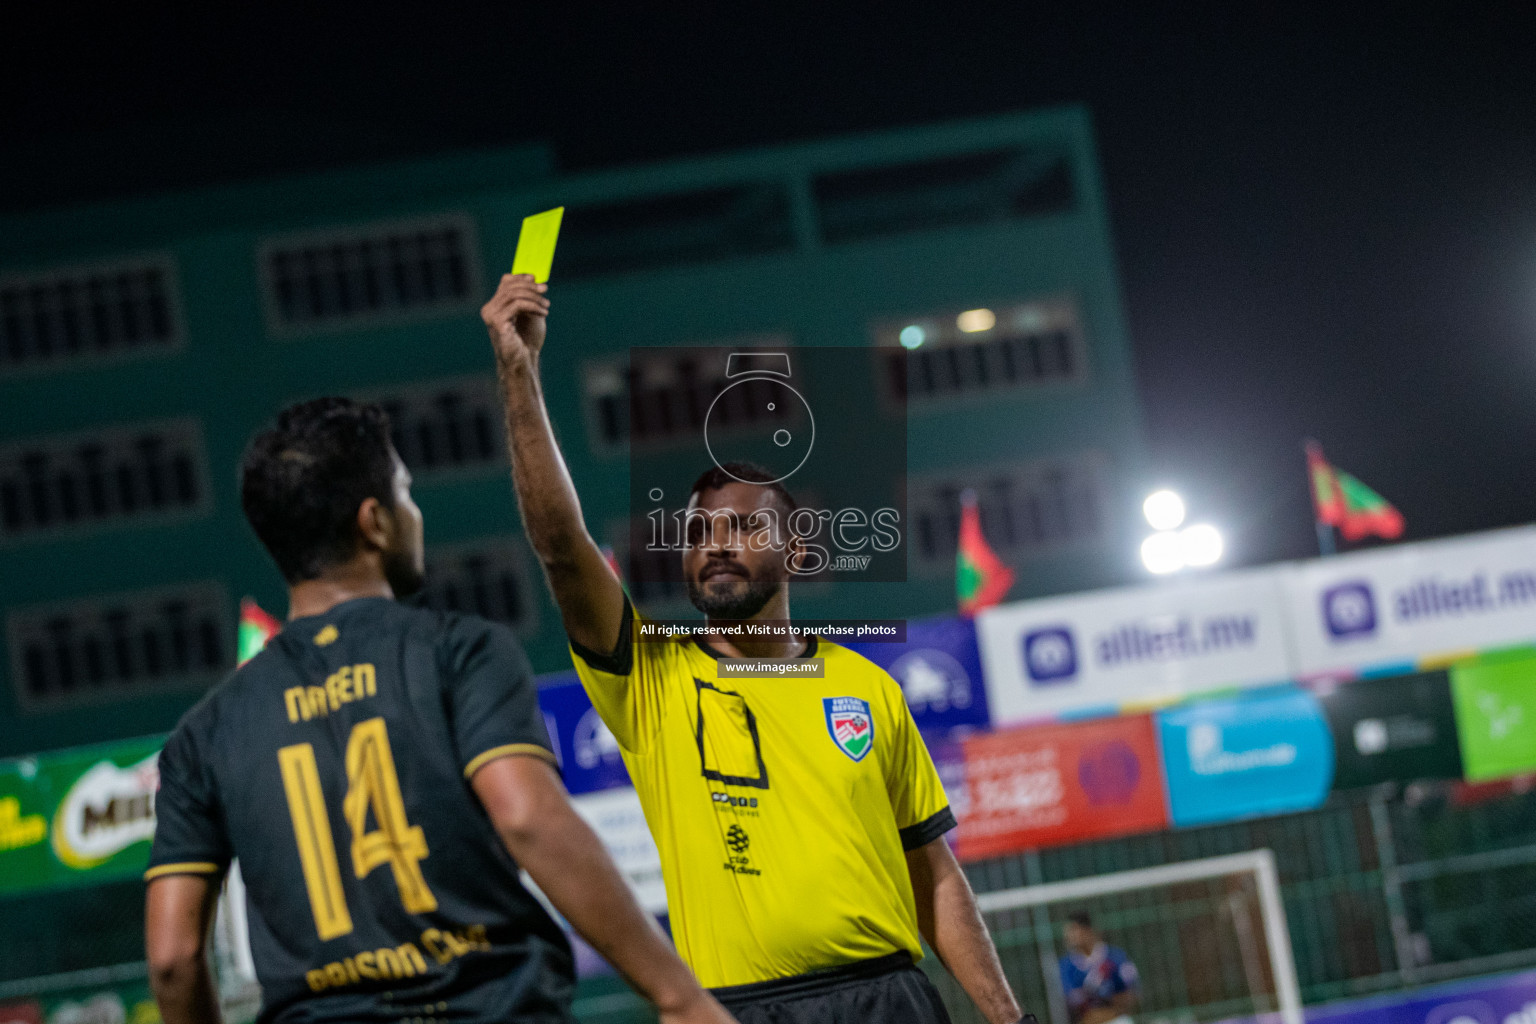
(1099, 980)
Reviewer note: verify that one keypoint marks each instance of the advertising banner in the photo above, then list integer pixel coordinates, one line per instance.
(1501, 999)
(1048, 785)
(1262, 753)
(1414, 601)
(588, 754)
(1136, 646)
(77, 816)
(1496, 716)
(128, 1002)
(616, 817)
(1393, 729)
(939, 669)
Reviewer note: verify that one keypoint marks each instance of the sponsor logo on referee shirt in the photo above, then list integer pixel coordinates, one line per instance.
(738, 842)
(727, 800)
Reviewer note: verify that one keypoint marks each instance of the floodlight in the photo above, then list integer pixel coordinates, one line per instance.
(1164, 510)
(1200, 544)
(1162, 553)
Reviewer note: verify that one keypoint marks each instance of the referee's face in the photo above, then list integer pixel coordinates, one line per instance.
(736, 548)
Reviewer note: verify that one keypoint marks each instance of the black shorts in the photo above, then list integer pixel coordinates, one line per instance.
(887, 990)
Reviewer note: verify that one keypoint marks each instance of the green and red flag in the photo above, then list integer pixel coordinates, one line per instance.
(981, 578)
(1344, 502)
(256, 628)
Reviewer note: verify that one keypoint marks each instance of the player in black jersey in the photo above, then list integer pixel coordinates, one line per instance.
(381, 773)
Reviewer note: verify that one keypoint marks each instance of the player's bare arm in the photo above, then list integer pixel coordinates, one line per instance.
(533, 815)
(950, 921)
(590, 598)
(178, 912)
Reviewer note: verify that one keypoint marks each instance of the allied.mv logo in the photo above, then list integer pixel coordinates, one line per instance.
(850, 724)
(1050, 655)
(1349, 610)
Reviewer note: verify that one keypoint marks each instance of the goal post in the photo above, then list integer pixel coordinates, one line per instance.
(1209, 937)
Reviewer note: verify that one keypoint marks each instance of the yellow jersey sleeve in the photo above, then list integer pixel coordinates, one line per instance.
(917, 796)
(626, 684)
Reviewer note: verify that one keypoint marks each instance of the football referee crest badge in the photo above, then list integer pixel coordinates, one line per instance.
(850, 724)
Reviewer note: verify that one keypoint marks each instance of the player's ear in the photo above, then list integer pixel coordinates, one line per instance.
(376, 524)
(797, 552)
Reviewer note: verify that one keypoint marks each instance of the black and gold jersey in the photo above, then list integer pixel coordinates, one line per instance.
(335, 766)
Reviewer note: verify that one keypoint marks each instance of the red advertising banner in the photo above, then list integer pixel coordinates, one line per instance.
(1053, 784)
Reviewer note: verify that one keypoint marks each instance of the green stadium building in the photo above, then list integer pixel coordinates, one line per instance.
(144, 341)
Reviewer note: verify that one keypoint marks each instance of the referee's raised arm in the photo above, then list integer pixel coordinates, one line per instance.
(590, 598)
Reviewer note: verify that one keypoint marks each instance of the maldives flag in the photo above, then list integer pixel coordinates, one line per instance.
(981, 578)
(256, 628)
(1344, 502)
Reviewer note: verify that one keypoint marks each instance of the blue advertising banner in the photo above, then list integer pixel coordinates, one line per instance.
(588, 753)
(1501, 999)
(939, 669)
(1268, 752)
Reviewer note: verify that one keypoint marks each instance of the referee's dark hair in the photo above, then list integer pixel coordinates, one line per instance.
(716, 477)
(302, 480)
(1081, 919)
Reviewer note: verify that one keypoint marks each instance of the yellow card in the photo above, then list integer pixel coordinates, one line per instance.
(536, 245)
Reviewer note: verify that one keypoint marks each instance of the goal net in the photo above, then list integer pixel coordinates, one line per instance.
(1208, 938)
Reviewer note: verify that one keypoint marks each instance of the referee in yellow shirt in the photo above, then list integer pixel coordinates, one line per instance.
(800, 821)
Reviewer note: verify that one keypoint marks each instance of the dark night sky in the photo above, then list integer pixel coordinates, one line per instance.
(1326, 225)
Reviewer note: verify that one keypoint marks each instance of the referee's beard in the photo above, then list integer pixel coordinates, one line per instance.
(731, 599)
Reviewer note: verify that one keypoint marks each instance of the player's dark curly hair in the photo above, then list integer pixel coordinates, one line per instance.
(716, 477)
(302, 480)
